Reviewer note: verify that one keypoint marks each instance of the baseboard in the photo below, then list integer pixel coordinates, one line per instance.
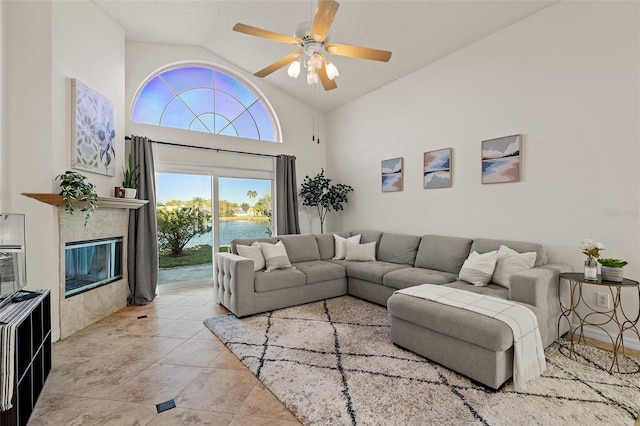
(630, 342)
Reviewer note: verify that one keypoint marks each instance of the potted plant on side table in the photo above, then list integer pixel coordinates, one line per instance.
(75, 187)
(612, 269)
(130, 177)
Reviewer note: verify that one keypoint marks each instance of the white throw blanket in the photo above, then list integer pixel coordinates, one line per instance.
(528, 354)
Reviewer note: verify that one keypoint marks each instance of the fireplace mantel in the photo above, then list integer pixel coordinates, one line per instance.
(104, 202)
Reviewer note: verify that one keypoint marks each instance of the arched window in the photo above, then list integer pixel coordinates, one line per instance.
(205, 99)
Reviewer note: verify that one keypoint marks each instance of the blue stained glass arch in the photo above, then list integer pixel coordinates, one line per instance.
(205, 99)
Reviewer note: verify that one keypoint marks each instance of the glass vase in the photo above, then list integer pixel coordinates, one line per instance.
(590, 269)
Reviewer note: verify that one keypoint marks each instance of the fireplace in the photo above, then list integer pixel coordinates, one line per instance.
(92, 264)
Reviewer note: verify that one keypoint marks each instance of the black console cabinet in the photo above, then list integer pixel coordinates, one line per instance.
(32, 360)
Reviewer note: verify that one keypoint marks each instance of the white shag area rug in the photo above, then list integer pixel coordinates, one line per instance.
(333, 363)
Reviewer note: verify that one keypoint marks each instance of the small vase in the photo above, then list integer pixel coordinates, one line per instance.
(610, 273)
(590, 269)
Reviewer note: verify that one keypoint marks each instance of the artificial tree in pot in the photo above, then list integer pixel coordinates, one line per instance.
(130, 177)
(318, 192)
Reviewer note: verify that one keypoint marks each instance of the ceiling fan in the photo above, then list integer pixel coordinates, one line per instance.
(312, 38)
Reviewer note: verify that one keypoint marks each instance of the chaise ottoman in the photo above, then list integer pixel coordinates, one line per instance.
(469, 343)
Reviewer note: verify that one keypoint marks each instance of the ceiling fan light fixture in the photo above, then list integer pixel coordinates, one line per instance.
(312, 76)
(294, 69)
(332, 71)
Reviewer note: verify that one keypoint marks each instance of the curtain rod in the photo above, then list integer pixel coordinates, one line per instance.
(128, 138)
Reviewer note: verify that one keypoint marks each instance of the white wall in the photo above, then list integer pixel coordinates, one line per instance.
(296, 118)
(567, 79)
(4, 164)
(46, 44)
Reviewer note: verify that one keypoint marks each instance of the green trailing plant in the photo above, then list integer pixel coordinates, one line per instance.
(318, 192)
(612, 263)
(130, 175)
(75, 187)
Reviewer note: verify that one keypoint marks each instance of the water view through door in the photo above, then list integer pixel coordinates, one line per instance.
(186, 221)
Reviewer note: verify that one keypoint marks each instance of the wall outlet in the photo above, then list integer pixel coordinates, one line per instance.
(603, 300)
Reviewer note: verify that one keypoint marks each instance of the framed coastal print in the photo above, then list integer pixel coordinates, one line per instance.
(501, 159)
(92, 130)
(392, 175)
(437, 169)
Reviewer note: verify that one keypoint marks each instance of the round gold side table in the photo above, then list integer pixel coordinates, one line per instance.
(615, 315)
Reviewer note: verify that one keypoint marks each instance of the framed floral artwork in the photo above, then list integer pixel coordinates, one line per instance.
(92, 130)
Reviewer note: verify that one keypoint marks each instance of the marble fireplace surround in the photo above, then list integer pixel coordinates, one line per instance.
(110, 219)
(81, 310)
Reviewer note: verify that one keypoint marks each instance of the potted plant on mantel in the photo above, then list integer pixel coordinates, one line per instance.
(75, 187)
(318, 192)
(612, 269)
(130, 177)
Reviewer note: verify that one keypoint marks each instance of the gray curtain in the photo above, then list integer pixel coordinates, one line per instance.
(142, 250)
(287, 195)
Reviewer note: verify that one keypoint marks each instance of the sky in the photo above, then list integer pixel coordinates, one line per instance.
(172, 186)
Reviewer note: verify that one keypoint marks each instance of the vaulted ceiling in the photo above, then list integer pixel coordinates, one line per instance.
(417, 32)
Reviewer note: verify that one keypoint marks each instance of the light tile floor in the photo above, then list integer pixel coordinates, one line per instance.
(115, 371)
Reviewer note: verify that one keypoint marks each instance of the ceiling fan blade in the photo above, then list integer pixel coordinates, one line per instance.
(259, 32)
(323, 18)
(324, 79)
(358, 52)
(279, 64)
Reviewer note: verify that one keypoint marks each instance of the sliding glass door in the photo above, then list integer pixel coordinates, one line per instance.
(185, 238)
(244, 209)
(200, 211)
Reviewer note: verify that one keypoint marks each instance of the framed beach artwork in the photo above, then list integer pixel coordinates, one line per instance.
(437, 169)
(92, 130)
(501, 159)
(392, 175)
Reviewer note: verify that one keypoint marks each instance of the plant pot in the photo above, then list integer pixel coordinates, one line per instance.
(130, 192)
(609, 273)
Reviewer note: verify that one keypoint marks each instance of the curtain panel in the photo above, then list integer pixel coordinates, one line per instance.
(142, 247)
(288, 221)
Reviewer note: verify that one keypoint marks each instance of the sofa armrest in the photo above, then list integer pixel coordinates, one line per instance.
(233, 283)
(538, 286)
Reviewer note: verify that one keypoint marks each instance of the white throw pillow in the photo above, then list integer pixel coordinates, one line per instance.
(478, 268)
(511, 262)
(275, 256)
(341, 250)
(360, 252)
(254, 252)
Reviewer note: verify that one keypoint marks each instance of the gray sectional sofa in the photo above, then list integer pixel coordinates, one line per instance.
(474, 345)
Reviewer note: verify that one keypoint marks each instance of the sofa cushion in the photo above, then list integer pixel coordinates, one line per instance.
(318, 270)
(369, 237)
(483, 245)
(398, 248)
(451, 321)
(278, 279)
(301, 248)
(327, 244)
(360, 252)
(253, 252)
(249, 241)
(371, 271)
(478, 268)
(489, 290)
(443, 253)
(409, 277)
(275, 256)
(341, 245)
